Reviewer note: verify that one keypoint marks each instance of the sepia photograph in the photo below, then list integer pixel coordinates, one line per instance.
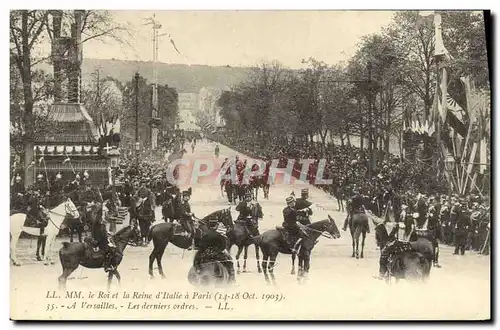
(256, 165)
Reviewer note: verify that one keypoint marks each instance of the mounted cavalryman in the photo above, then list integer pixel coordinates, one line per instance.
(186, 216)
(355, 205)
(397, 244)
(290, 224)
(247, 214)
(304, 207)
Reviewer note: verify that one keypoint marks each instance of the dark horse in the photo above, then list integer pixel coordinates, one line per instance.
(412, 265)
(358, 226)
(272, 242)
(243, 238)
(163, 233)
(74, 254)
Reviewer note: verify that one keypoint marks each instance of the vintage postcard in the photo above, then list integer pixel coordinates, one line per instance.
(249, 165)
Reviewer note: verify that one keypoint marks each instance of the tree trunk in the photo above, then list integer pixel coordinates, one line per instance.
(28, 101)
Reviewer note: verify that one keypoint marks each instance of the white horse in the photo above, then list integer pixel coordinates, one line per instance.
(55, 219)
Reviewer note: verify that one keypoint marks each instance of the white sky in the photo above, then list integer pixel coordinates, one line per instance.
(245, 38)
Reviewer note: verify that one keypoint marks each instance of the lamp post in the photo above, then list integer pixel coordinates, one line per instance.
(136, 119)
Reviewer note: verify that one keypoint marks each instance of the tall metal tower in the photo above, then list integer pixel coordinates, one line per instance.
(154, 115)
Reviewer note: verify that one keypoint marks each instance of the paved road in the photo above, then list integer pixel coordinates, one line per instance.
(338, 287)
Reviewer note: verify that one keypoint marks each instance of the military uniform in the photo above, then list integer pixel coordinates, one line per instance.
(186, 216)
(290, 223)
(393, 247)
(248, 216)
(212, 247)
(355, 205)
(17, 195)
(303, 207)
(461, 228)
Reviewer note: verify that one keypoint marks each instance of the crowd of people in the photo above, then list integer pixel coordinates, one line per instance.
(462, 221)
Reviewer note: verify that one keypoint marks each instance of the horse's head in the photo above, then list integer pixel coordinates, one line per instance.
(226, 218)
(71, 209)
(332, 228)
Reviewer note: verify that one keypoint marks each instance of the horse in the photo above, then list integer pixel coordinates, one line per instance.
(75, 254)
(242, 238)
(55, 216)
(272, 242)
(430, 244)
(411, 265)
(79, 225)
(358, 227)
(163, 233)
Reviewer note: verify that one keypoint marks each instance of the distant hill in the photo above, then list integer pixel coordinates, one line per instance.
(185, 78)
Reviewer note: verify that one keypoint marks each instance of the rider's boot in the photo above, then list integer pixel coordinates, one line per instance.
(108, 261)
(346, 221)
(382, 268)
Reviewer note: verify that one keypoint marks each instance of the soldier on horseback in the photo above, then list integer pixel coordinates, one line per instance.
(212, 247)
(186, 216)
(394, 246)
(304, 207)
(246, 215)
(290, 224)
(355, 205)
(104, 240)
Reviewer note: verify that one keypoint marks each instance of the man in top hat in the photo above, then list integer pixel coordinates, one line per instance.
(304, 207)
(290, 224)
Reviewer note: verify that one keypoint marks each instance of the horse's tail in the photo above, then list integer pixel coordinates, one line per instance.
(257, 240)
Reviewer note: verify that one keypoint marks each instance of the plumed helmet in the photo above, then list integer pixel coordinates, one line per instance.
(58, 176)
(39, 176)
(18, 178)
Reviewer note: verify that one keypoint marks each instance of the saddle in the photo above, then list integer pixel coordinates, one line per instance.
(92, 244)
(35, 222)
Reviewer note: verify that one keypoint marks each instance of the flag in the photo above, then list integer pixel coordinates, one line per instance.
(483, 157)
(117, 126)
(173, 44)
(109, 127)
(439, 48)
(472, 157)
